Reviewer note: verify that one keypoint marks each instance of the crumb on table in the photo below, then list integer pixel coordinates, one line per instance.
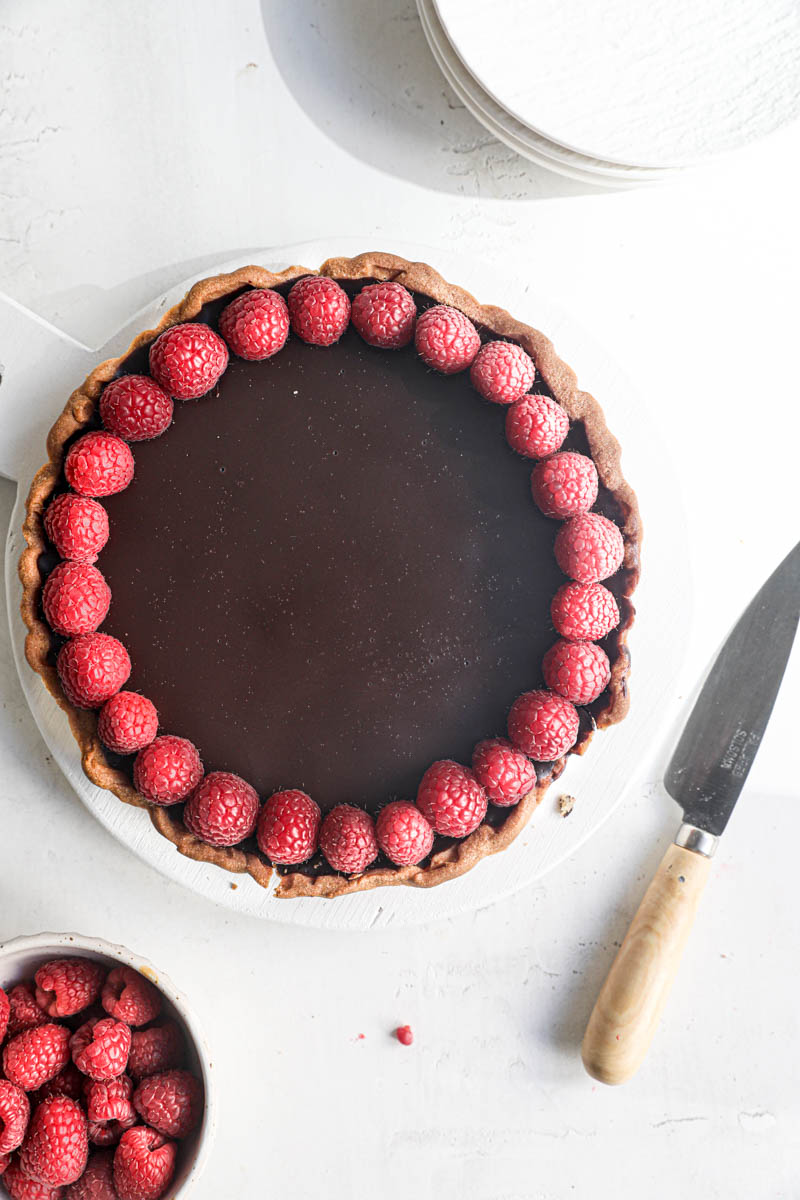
(566, 804)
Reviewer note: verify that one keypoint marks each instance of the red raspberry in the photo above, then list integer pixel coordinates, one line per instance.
(504, 773)
(319, 309)
(15, 1111)
(404, 1035)
(77, 527)
(24, 1012)
(68, 1082)
(589, 548)
(5, 1013)
(36, 1055)
(347, 839)
(100, 1048)
(56, 1146)
(5, 1159)
(564, 485)
(579, 671)
(128, 722)
(144, 1163)
(384, 315)
(109, 1109)
(543, 725)
(97, 1181)
(99, 464)
(92, 667)
(65, 986)
(188, 360)
(288, 827)
(129, 997)
(446, 340)
(403, 834)
(167, 770)
(502, 372)
(154, 1050)
(75, 598)
(222, 809)
(171, 1102)
(135, 408)
(536, 426)
(256, 324)
(20, 1187)
(451, 799)
(584, 611)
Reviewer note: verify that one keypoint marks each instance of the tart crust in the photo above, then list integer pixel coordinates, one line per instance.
(455, 859)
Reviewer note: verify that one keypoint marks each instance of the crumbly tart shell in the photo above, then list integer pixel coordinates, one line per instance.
(452, 860)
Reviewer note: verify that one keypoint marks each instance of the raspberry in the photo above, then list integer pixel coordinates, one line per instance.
(109, 1109)
(171, 1103)
(77, 527)
(446, 340)
(24, 1012)
(403, 834)
(589, 548)
(5, 1013)
(502, 372)
(347, 839)
(56, 1146)
(579, 671)
(128, 722)
(319, 309)
(5, 1159)
(135, 408)
(68, 1082)
(100, 1048)
(288, 827)
(536, 426)
(129, 997)
(144, 1163)
(404, 1035)
(384, 315)
(256, 324)
(451, 799)
(92, 667)
(65, 986)
(187, 360)
(15, 1111)
(36, 1055)
(75, 598)
(543, 725)
(97, 1181)
(564, 485)
(155, 1050)
(584, 611)
(167, 770)
(222, 809)
(99, 464)
(504, 773)
(20, 1187)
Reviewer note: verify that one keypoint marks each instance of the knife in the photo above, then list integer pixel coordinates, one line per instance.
(705, 775)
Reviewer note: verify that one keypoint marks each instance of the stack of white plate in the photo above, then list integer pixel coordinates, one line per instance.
(623, 92)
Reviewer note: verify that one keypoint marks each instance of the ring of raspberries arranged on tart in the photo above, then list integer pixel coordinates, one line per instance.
(319, 843)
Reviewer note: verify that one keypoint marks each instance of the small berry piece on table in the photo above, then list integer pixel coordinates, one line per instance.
(347, 839)
(564, 485)
(135, 408)
(77, 526)
(536, 426)
(319, 310)
(451, 799)
(404, 835)
(502, 372)
(256, 324)
(584, 611)
(168, 770)
(504, 773)
(543, 725)
(384, 314)
(288, 827)
(99, 464)
(446, 339)
(404, 1035)
(188, 360)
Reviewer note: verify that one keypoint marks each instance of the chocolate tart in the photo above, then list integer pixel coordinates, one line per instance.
(329, 571)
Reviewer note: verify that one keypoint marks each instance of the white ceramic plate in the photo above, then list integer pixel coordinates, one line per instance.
(662, 84)
(40, 369)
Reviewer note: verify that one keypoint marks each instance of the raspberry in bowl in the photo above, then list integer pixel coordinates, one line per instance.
(107, 1087)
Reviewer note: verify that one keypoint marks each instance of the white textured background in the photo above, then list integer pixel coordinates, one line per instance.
(140, 143)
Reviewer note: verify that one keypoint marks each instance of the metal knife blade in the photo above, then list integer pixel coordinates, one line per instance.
(719, 742)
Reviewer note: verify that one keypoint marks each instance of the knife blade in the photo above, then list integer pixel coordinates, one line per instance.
(705, 775)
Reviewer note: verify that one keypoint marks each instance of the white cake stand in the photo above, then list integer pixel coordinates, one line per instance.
(43, 365)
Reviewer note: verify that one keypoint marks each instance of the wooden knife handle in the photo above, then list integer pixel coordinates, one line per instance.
(628, 1009)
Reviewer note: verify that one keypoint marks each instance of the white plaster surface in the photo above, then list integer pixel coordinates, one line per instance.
(140, 143)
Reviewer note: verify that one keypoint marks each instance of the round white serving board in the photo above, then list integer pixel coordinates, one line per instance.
(512, 132)
(662, 84)
(40, 369)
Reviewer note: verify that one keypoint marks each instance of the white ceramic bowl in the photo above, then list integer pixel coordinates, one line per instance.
(22, 956)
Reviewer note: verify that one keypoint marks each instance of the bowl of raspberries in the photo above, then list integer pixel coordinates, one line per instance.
(105, 1085)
